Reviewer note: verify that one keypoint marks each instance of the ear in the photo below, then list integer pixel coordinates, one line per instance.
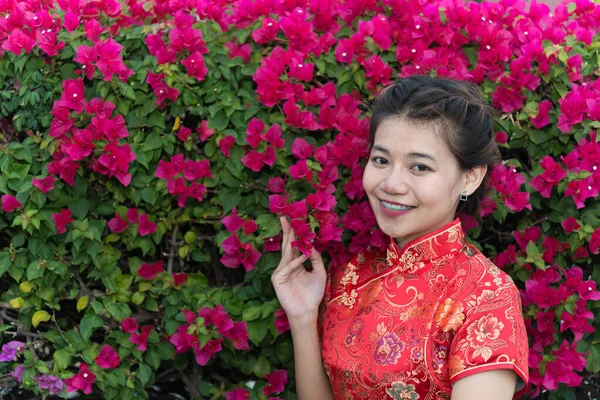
(473, 178)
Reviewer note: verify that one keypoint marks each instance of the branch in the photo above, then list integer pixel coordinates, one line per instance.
(20, 329)
(172, 251)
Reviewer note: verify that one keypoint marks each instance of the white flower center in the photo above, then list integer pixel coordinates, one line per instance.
(418, 26)
(300, 65)
(270, 24)
(514, 170)
(343, 54)
(85, 375)
(414, 51)
(35, 18)
(160, 91)
(74, 94)
(417, 67)
(488, 47)
(525, 33)
(589, 188)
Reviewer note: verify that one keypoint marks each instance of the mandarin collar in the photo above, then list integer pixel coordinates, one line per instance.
(416, 254)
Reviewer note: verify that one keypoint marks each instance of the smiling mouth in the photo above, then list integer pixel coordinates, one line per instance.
(395, 207)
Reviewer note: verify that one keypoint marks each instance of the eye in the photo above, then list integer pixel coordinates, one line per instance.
(379, 160)
(420, 168)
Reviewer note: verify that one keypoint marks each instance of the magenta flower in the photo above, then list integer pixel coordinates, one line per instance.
(184, 134)
(117, 224)
(239, 335)
(62, 219)
(232, 222)
(129, 325)
(204, 354)
(281, 321)
(277, 380)
(226, 144)
(236, 50)
(195, 66)
(107, 358)
(237, 253)
(45, 184)
(146, 226)
(204, 131)
(301, 149)
(115, 161)
(237, 394)
(195, 170)
(182, 340)
(542, 118)
(141, 338)
(82, 381)
(300, 170)
(179, 278)
(216, 316)
(10, 203)
(267, 32)
(149, 271)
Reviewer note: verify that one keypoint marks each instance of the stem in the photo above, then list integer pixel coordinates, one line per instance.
(172, 251)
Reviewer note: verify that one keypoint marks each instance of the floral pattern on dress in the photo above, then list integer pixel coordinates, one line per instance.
(402, 391)
(407, 323)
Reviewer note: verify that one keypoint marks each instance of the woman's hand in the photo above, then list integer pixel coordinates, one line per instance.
(299, 291)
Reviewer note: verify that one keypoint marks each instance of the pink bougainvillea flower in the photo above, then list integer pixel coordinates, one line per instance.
(146, 226)
(17, 41)
(233, 222)
(239, 335)
(110, 62)
(62, 219)
(237, 253)
(133, 215)
(272, 244)
(184, 134)
(542, 118)
(117, 224)
(162, 91)
(182, 340)
(82, 381)
(254, 132)
(195, 66)
(17, 373)
(595, 242)
(254, 160)
(73, 94)
(216, 316)
(301, 149)
(226, 144)
(277, 380)
(204, 354)
(93, 29)
(141, 338)
(239, 50)
(10, 203)
(149, 271)
(129, 325)
(570, 224)
(115, 161)
(194, 170)
(45, 184)
(107, 358)
(204, 131)
(237, 394)
(300, 170)
(267, 32)
(71, 21)
(501, 137)
(281, 321)
(179, 278)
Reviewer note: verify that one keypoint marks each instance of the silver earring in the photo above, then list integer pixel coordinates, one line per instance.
(463, 196)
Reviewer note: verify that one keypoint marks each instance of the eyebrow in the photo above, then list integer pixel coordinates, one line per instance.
(412, 154)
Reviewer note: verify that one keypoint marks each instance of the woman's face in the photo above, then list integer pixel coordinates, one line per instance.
(412, 180)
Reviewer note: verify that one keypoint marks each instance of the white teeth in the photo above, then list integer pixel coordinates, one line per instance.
(395, 207)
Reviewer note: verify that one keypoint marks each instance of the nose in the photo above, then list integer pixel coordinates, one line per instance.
(395, 182)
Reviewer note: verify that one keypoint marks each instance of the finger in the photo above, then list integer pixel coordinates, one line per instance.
(285, 269)
(285, 228)
(316, 260)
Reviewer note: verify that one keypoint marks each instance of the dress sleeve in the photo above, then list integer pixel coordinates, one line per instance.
(493, 334)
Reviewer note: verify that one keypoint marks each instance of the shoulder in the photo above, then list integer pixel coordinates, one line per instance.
(484, 285)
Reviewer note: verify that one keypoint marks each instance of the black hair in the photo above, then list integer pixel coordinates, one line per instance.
(456, 107)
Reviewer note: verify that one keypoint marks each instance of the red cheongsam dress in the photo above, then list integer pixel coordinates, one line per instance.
(407, 324)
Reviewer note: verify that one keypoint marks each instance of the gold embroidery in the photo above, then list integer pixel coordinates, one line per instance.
(351, 277)
(348, 299)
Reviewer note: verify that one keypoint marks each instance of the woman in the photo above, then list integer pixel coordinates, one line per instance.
(430, 317)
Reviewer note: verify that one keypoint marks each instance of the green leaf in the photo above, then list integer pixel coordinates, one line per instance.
(4, 263)
(80, 208)
(593, 359)
(144, 374)
(119, 310)
(62, 359)
(261, 367)
(229, 198)
(252, 313)
(532, 249)
(219, 121)
(88, 324)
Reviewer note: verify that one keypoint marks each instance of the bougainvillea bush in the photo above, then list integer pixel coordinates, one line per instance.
(148, 148)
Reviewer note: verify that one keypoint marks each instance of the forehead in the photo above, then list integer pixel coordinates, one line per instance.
(399, 136)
